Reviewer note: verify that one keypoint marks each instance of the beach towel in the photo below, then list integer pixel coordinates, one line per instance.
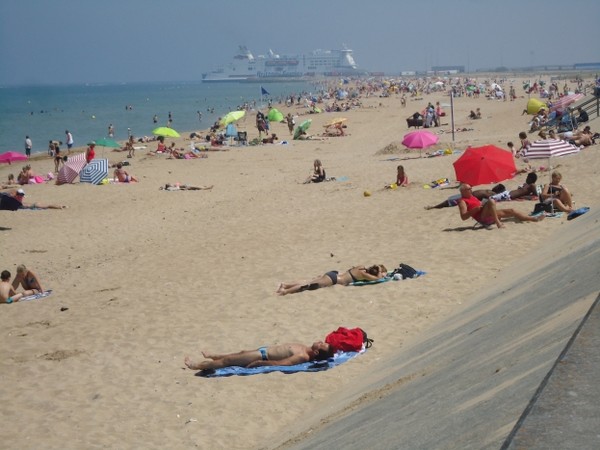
(386, 278)
(43, 294)
(578, 212)
(311, 366)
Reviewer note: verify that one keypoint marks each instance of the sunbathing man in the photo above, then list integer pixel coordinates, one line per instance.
(333, 277)
(470, 207)
(27, 279)
(528, 188)
(273, 355)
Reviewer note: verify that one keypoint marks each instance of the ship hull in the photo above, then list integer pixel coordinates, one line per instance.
(245, 68)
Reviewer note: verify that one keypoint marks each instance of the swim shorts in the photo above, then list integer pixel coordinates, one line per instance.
(263, 353)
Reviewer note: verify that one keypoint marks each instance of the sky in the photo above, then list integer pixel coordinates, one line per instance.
(87, 41)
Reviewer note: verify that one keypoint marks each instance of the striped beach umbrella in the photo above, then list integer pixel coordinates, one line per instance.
(70, 170)
(95, 171)
(550, 148)
(562, 103)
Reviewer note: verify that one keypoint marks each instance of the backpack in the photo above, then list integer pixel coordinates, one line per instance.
(405, 271)
(348, 339)
(542, 207)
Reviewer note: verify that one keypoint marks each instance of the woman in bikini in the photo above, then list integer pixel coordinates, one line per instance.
(122, 176)
(356, 273)
(556, 193)
(27, 279)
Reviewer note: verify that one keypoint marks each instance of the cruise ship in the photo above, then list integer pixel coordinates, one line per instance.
(273, 67)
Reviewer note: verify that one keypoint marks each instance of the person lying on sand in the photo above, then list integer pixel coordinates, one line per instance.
(356, 273)
(13, 201)
(470, 207)
(498, 193)
(184, 187)
(273, 355)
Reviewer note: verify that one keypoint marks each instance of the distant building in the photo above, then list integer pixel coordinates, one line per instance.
(587, 66)
(447, 69)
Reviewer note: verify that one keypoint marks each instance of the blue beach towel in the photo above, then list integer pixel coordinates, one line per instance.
(578, 212)
(311, 366)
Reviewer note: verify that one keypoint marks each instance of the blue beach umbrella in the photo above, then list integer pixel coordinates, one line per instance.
(94, 172)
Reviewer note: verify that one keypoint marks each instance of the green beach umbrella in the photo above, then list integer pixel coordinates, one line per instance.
(302, 128)
(275, 115)
(106, 142)
(231, 117)
(166, 132)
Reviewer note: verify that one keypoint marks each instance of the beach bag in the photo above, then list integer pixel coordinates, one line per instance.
(405, 271)
(542, 207)
(348, 339)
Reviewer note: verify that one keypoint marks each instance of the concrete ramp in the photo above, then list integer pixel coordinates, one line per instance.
(467, 383)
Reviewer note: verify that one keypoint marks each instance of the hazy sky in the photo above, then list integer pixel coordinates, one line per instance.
(66, 41)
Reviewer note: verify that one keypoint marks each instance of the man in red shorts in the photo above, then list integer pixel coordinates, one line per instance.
(487, 214)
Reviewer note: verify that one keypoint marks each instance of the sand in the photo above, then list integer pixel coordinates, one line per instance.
(150, 276)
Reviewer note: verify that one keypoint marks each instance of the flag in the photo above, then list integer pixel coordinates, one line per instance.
(263, 91)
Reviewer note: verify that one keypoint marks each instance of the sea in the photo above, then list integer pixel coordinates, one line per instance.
(44, 113)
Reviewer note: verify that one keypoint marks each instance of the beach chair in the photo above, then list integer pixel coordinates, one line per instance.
(242, 138)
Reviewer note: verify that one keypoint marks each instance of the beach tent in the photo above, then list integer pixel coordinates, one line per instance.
(534, 105)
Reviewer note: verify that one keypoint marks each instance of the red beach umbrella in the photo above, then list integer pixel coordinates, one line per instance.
(71, 169)
(9, 157)
(483, 165)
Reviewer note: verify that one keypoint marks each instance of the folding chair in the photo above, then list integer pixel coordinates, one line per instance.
(242, 138)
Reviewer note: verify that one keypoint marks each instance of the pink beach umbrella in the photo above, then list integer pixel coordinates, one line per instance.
(420, 139)
(550, 148)
(71, 169)
(9, 157)
(562, 103)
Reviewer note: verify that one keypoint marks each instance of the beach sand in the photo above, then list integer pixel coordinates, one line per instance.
(150, 276)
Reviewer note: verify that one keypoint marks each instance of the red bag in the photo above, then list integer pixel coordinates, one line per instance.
(348, 339)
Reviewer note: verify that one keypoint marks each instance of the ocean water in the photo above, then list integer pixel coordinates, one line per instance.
(45, 112)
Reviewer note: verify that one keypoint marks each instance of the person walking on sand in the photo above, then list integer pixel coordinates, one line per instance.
(90, 152)
(272, 355)
(290, 123)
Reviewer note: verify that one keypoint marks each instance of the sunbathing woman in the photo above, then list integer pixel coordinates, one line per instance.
(122, 176)
(357, 273)
(556, 193)
(184, 187)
